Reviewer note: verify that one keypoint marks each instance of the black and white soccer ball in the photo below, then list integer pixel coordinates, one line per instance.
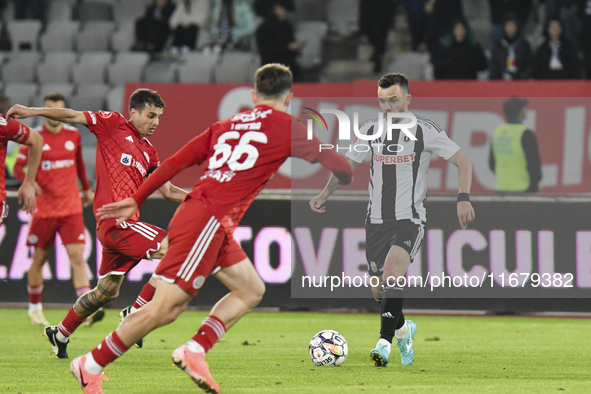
(328, 348)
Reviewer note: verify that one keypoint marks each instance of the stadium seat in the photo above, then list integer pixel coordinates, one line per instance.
(66, 89)
(59, 36)
(20, 67)
(311, 34)
(123, 38)
(95, 36)
(129, 10)
(59, 10)
(236, 67)
(161, 71)
(91, 67)
(127, 67)
(309, 10)
(414, 65)
(21, 93)
(198, 67)
(56, 67)
(95, 11)
(115, 99)
(24, 34)
(343, 16)
(90, 97)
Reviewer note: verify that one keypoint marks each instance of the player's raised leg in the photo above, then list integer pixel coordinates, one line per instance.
(35, 287)
(168, 303)
(106, 290)
(246, 291)
(80, 278)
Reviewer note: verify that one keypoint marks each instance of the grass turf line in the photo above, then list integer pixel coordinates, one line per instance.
(453, 355)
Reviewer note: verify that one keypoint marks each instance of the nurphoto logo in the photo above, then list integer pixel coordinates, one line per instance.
(403, 121)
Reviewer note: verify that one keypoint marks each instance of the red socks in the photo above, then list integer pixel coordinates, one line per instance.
(109, 350)
(145, 296)
(71, 322)
(35, 293)
(210, 331)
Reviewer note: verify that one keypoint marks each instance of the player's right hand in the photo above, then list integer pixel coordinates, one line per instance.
(18, 112)
(121, 210)
(26, 196)
(317, 204)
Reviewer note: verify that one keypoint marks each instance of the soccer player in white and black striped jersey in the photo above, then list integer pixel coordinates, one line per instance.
(395, 215)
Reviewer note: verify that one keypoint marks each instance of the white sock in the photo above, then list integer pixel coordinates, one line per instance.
(92, 366)
(402, 331)
(195, 347)
(388, 345)
(35, 307)
(60, 337)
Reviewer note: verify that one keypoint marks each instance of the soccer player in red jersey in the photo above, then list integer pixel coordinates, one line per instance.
(13, 130)
(123, 161)
(59, 208)
(242, 153)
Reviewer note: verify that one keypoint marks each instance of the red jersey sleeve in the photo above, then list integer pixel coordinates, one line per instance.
(15, 130)
(80, 166)
(195, 152)
(301, 146)
(102, 123)
(21, 161)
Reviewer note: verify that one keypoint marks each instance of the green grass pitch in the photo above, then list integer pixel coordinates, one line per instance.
(268, 352)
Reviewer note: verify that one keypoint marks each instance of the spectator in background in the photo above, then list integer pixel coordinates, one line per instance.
(153, 29)
(557, 57)
(232, 23)
(514, 156)
(511, 55)
(276, 38)
(500, 8)
(441, 13)
(189, 17)
(462, 56)
(376, 18)
(418, 22)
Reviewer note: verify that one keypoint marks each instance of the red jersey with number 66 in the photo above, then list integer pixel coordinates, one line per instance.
(241, 153)
(12, 130)
(123, 159)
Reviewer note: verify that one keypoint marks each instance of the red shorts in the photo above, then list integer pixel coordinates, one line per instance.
(124, 246)
(42, 231)
(197, 245)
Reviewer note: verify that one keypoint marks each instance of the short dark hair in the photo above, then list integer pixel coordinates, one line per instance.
(512, 107)
(273, 80)
(391, 79)
(54, 96)
(142, 97)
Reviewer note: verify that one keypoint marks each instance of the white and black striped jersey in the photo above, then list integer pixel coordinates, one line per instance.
(398, 174)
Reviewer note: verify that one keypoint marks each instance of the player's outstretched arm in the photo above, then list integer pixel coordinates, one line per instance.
(317, 203)
(466, 213)
(171, 192)
(26, 193)
(121, 210)
(61, 114)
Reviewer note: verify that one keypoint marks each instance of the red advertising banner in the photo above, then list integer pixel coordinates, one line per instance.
(558, 113)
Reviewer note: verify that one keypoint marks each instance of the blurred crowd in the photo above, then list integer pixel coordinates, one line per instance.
(437, 27)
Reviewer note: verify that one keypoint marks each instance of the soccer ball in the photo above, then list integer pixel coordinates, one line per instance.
(328, 348)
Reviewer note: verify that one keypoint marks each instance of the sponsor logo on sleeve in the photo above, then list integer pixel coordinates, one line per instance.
(126, 159)
(92, 117)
